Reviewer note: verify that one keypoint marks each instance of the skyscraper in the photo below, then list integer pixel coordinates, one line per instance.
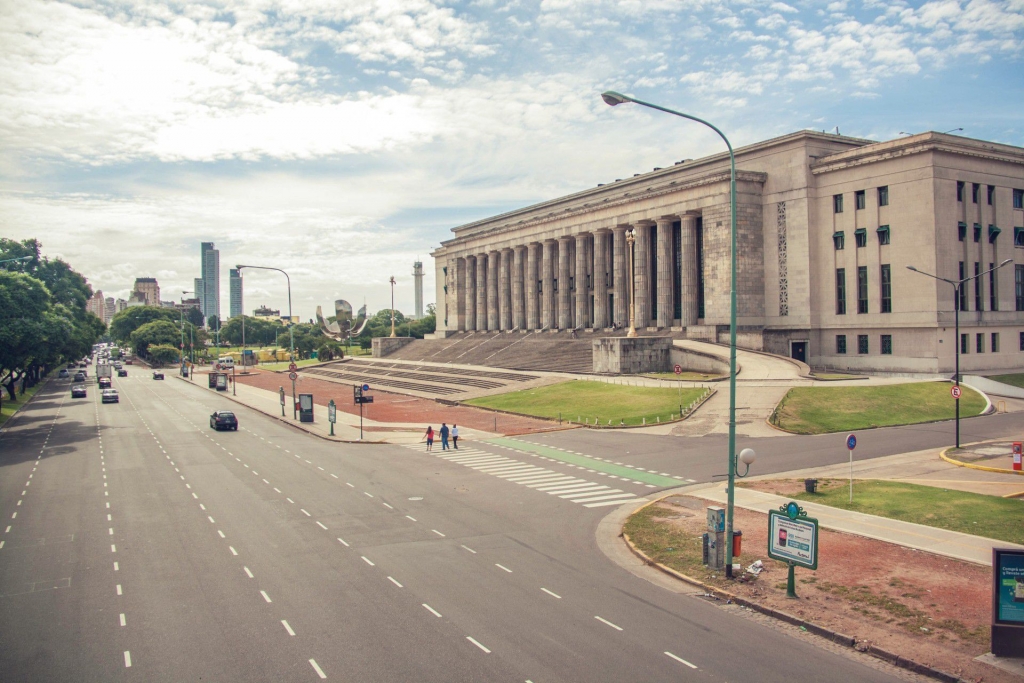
(198, 292)
(235, 283)
(147, 290)
(211, 279)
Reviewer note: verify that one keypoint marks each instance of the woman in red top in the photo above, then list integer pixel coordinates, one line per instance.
(430, 438)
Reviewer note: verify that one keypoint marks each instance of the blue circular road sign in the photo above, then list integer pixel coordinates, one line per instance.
(851, 441)
(366, 387)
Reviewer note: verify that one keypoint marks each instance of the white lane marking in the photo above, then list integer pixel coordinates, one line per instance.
(321, 526)
(277, 489)
(127, 659)
(335, 476)
(605, 621)
(122, 620)
(388, 506)
(610, 502)
(349, 485)
(7, 530)
(320, 468)
(116, 568)
(343, 542)
(316, 667)
(211, 519)
(562, 481)
(407, 517)
(290, 501)
(195, 496)
(304, 512)
(110, 531)
(432, 610)
(14, 516)
(221, 533)
(267, 597)
(309, 462)
(532, 478)
(604, 495)
(500, 566)
(554, 595)
(395, 582)
(188, 486)
(466, 547)
(680, 659)
(367, 561)
(266, 482)
(202, 507)
(113, 548)
(438, 533)
(287, 627)
(119, 589)
(248, 572)
(232, 549)
(19, 502)
(368, 494)
(477, 643)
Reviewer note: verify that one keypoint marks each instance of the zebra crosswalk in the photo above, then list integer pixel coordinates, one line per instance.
(568, 487)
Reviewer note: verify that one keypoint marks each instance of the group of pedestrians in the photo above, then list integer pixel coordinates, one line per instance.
(444, 432)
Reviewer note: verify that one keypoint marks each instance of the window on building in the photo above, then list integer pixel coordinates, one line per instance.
(883, 234)
(963, 287)
(540, 286)
(965, 344)
(959, 190)
(554, 285)
(862, 289)
(839, 240)
(861, 234)
(993, 300)
(841, 291)
(841, 344)
(862, 343)
(883, 195)
(837, 203)
(991, 194)
(860, 199)
(1018, 286)
(962, 230)
(572, 284)
(977, 287)
(1022, 341)
(977, 232)
(886, 288)
(975, 190)
(1018, 199)
(993, 233)
(994, 342)
(886, 345)
(979, 342)
(1018, 237)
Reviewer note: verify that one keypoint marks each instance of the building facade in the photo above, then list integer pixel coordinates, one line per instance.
(210, 295)
(826, 227)
(235, 287)
(147, 291)
(97, 305)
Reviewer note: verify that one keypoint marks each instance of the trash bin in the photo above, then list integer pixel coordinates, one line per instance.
(737, 543)
(811, 485)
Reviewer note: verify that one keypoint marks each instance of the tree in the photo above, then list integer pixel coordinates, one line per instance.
(157, 332)
(194, 316)
(162, 354)
(130, 319)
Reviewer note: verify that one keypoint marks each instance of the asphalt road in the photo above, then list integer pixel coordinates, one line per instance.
(142, 545)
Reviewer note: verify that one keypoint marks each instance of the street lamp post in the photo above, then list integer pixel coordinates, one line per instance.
(20, 258)
(630, 239)
(957, 287)
(291, 335)
(181, 359)
(392, 306)
(612, 99)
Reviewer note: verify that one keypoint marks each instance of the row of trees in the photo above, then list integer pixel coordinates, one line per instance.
(43, 321)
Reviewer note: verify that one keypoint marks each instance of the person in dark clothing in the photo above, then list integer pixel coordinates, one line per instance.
(444, 436)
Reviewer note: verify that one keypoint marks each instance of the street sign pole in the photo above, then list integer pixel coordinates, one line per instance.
(851, 443)
(292, 367)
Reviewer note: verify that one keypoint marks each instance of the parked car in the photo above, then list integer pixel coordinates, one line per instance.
(121, 372)
(222, 419)
(110, 396)
(82, 364)
(79, 377)
(104, 382)
(63, 374)
(78, 391)
(129, 362)
(158, 375)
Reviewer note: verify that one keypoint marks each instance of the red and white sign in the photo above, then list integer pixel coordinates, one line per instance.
(293, 367)
(292, 376)
(955, 391)
(1018, 447)
(678, 369)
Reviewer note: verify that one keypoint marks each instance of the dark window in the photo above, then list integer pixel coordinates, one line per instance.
(993, 302)
(540, 287)
(862, 289)
(994, 346)
(963, 287)
(886, 289)
(572, 284)
(1018, 281)
(883, 195)
(554, 284)
(886, 345)
(841, 344)
(962, 230)
(862, 343)
(975, 190)
(991, 194)
(965, 343)
(839, 240)
(1022, 341)
(977, 287)
(1018, 237)
(841, 291)
(861, 235)
(883, 234)
(977, 232)
(1018, 199)
(979, 342)
(837, 203)
(860, 199)
(959, 190)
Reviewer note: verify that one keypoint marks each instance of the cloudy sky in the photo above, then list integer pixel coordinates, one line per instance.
(343, 139)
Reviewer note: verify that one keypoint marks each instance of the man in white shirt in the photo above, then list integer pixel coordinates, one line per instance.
(455, 436)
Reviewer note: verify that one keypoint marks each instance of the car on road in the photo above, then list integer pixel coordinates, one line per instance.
(223, 419)
(110, 396)
(78, 391)
(121, 372)
(82, 364)
(158, 375)
(79, 377)
(129, 362)
(117, 365)
(104, 382)
(63, 374)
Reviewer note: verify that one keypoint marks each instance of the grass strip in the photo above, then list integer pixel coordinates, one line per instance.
(820, 410)
(9, 407)
(1014, 380)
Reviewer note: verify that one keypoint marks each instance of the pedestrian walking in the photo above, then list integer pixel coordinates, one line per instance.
(429, 436)
(444, 436)
(455, 436)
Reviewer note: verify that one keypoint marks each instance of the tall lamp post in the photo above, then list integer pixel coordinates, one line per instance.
(291, 335)
(182, 358)
(957, 286)
(612, 99)
(392, 281)
(630, 239)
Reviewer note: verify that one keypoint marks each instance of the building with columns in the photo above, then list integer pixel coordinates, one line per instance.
(826, 225)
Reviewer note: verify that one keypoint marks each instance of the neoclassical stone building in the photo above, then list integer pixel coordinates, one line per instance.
(826, 227)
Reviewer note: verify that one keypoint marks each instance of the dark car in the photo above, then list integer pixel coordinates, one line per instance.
(82, 364)
(158, 375)
(129, 362)
(78, 391)
(222, 419)
(110, 396)
(79, 377)
(121, 372)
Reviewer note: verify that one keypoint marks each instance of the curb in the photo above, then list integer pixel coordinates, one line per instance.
(983, 468)
(834, 636)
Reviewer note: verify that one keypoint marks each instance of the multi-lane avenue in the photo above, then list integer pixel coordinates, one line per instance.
(140, 544)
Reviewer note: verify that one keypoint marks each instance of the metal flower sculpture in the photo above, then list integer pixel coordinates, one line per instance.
(344, 327)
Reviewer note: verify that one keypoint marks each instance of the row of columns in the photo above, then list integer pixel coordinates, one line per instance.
(514, 287)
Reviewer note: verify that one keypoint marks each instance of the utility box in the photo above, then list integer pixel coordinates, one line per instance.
(716, 538)
(212, 379)
(305, 407)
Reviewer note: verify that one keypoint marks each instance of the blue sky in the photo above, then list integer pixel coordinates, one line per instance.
(341, 140)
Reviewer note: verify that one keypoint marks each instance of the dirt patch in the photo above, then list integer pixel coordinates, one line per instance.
(390, 407)
(933, 610)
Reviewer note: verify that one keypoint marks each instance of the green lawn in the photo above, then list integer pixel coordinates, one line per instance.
(969, 513)
(1016, 380)
(577, 400)
(819, 410)
(10, 408)
(685, 376)
(283, 365)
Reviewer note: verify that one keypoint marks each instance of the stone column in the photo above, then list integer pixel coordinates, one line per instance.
(620, 275)
(481, 292)
(600, 248)
(548, 285)
(493, 267)
(666, 284)
(518, 309)
(470, 293)
(642, 274)
(688, 271)
(530, 277)
(505, 290)
(564, 317)
(582, 291)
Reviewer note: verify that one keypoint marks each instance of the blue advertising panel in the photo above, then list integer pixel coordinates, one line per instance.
(1009, 571)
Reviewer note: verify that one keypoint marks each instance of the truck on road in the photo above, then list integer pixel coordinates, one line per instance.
(104, 370)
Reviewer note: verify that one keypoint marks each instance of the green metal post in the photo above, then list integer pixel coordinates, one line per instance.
(791, 582)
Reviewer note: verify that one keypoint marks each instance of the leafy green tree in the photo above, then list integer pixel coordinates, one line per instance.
(162, 354)
(157, 332)
(130, 319)
(194, 316)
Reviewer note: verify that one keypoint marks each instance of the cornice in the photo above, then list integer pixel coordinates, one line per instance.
(919, 144)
